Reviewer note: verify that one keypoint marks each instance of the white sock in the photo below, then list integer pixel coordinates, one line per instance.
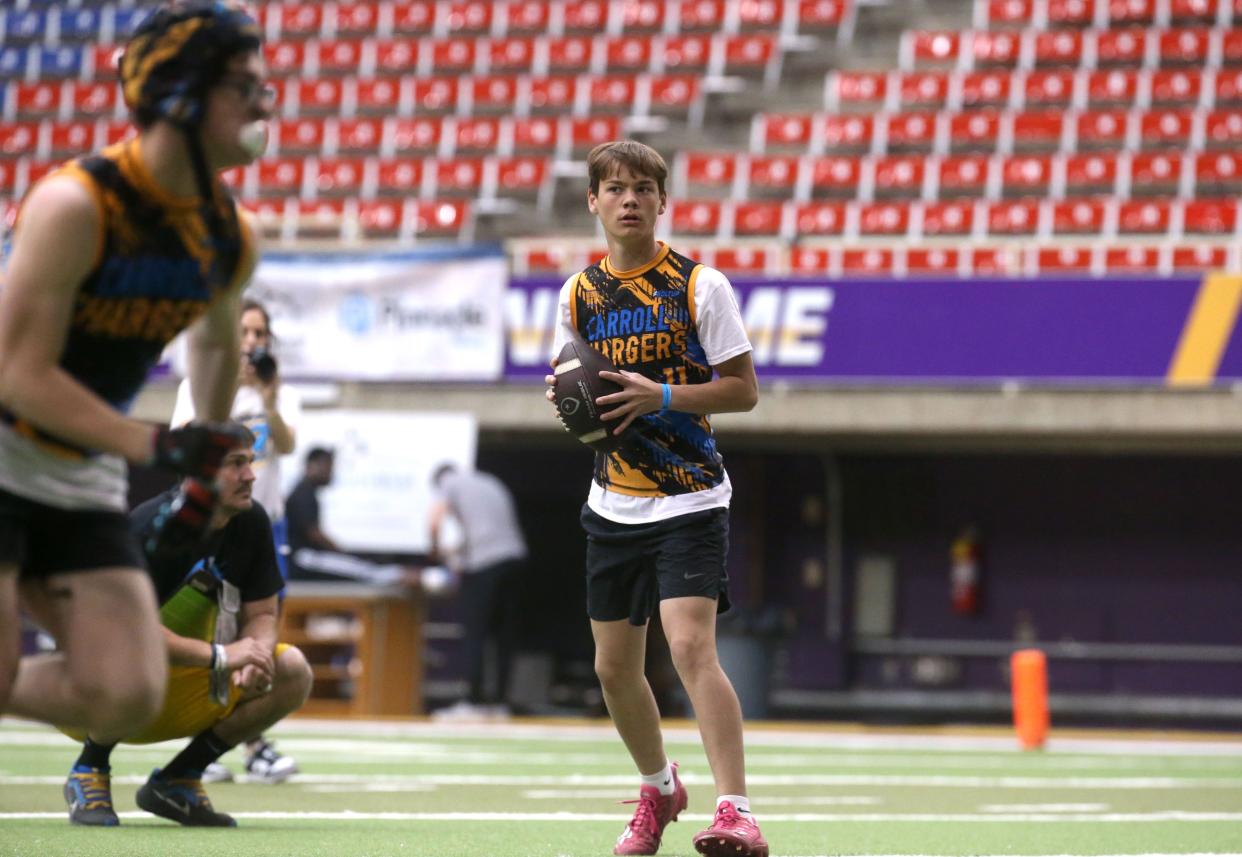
(740, 802)
(661, 779)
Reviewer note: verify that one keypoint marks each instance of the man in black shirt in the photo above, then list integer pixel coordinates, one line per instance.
(229, 679)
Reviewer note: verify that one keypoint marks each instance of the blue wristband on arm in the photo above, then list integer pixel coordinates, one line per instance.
(668, 398)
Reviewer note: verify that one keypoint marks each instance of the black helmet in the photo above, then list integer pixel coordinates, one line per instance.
(178, 53)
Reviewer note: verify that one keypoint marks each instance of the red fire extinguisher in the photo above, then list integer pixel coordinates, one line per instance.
(964, 573)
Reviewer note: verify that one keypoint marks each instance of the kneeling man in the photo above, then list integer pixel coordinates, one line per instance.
(229, 679)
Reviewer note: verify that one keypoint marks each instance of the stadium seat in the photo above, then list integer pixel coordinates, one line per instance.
(476, 135)
(453, 55)
(835, 176)
(925, 261)
(436, 94)
(396, 56)
(535, 135)
(1144, 216)
(981, 89)
(615, 93)
(357, 18)
(1217, 173)
(585, 15)
(1122, 47)
(951, 218)
(871, 261)
(419, 135)
(322, 96)
(300, 136)
(1101, 129)
(627, 53)
(1081, 216)
(714, 172)
(469, 17)
(995, 49)
(1112, 87)
(1195, 11)
(338, 176)
(1210, 217)
(1049, 88)
(1223, 128)
(976, 131)
(13, 62)
(320, 218)
(919, 48)
(774, 176)
(1132, 259)
(1199, 258)
(414, 17)
(1230, 45)
(568, 54)
(923, 89)
(757, 218)
(8, 182)
(523, 176)
(995, 261)
(897, 176)
(86, 99)
(686, 52)
(749, 260)
(114, 131)
(696, 217)
(281, 176)
(61, 63)
(910, 132)
(1184, 46)
(1166, 128)
(1064, 260)
(1155, 173)
(678, 94)
(1013, 217)
(577, 136)
(963, 175)
(456, 177)
(296, 20)
(400, 177)
(1036, 131)
(556, 94)
(514, 54)
(1003, 13)
(380, 218)
(1176, 88)
(1130, 12)
(338, 56)
(491, 94)
(285, 59)
(845, 133)
(24, 27)
(37, 100)
(380, 96)
(1070, 13)
(1092, 173)
(890, 218)
(809, 261)
(77, 25)
(856, 89)
(1059, 48)
(820, 218)
(701, 15)
(644, 16)
(18, 138)
(362, 136)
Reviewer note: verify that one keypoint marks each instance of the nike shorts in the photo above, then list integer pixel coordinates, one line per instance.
(188, 707)
(631, 568)
(33, 537)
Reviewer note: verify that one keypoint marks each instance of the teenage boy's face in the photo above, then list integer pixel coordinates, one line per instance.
(627, 204)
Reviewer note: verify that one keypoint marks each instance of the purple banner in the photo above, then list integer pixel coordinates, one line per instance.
(924, 331)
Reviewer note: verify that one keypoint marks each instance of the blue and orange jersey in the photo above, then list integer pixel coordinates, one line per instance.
(644, 321)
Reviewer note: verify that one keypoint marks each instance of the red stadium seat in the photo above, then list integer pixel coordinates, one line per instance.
(319, 96)
(955, 217)
(478, 134)
(1217, 173)
(932, 260)
(1199, 258)
(1126, 12)
(975, 131)
(674, 93)
(1176, 87)
(68, 139)
(1210, 217)
(556, 94)
(1185, 45)
(883, 218)
(1064, 260)
(298, 20)
(281, 176)
(757, 218)
(924, 47)
(520, 176)
(1081, 216)
(1144, 216)
(1071, 13)
(457, 177)
(538, 134)
(612, 93)
(1194, 11)
(1013, 217)
(586, 133)
(760, 14)
(745, 260)
(812, 261)
(995, 261)
(986, 89)
(569, 54)
(1004, 13)
(115, 130)
(340, 56)
(1155, 173)
(94, 99)
(320, 218)
(995, 49)
(1227, 87)
(1165, 128)
(643, 16)
(1118, 86)
(378, 95)
(1231, 46)
(701, 14)
(962, 175)
(899, 176)
(301, 136)
(628, 53)
(285, 59)
(526, 16)
(695, 171)
(338, 177)
(34, 100)
(923, 88)
(684, 52)
(588, 15)
(820, 218)
(1042, 130)
(18, 138)
(856, 89)
(396, 56)
(910, 131)
(821, 14)
(493, 93)
(772, 174)
(400, 176)
(414, 17)
(419, 135)
(1122, 47)
(357, 17)
(359, 136)
(1049, 88)
(469, 17)
(435, 94)
(1058, 47)
(1223, 129)
(1091, 173)
(847, 132)
(455, 55)
(749, 53)
(1131, 259)
(866, 262)
(1101, 129)
(380, 218)
(836, 176)
(513, 54)
(695, 217)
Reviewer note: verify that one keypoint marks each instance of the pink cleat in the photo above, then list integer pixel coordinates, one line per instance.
(732, 834)
(642, 835)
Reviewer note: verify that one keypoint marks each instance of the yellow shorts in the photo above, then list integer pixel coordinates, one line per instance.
(188, 707)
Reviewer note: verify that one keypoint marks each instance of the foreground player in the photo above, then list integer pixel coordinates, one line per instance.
(114, 254)
(656, 517)
(230, 680)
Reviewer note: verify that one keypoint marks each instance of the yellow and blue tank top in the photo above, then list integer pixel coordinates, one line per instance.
(644, 321)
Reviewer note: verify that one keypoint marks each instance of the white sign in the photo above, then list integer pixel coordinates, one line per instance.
(423, 315)
(382, 492)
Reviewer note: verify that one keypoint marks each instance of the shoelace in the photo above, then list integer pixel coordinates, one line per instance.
(645, 816)
(96, 789)
(728, 816)
(193, 791)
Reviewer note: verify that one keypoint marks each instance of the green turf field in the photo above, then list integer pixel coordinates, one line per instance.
(504, 790)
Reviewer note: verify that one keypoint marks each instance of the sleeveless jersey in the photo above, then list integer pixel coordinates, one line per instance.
(644, 321)
(157, 272)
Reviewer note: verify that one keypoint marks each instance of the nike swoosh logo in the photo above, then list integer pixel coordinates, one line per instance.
(693, 576)
(180, 806)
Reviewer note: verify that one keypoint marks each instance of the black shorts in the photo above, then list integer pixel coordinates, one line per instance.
(44, 540)
(631, 568)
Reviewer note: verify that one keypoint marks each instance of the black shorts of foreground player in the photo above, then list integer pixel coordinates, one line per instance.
(229, 678)
(656, 516)
(113, 255)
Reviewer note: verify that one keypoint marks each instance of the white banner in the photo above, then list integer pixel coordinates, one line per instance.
(433, 315)
(381, 495)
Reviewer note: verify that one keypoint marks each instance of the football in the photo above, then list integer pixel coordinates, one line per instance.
(577, 387)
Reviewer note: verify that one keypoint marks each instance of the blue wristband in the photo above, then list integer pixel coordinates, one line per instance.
(668, 398)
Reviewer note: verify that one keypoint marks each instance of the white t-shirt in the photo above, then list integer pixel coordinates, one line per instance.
(718, 320)
(249, 411)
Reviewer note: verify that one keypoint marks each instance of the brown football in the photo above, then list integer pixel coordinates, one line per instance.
(577, 387)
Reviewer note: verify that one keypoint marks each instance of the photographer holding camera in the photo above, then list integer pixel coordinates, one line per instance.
(271, 411)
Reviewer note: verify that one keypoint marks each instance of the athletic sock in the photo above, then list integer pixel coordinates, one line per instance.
(95, 756)
(740, 802)
(661, 779)
(206, 747)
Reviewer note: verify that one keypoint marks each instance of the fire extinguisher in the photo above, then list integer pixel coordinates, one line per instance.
(964, 573)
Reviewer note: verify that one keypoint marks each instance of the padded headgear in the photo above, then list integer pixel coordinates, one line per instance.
(178, 53)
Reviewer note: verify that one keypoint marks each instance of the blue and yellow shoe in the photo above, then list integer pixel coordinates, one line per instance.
(88, 793)
(181, 800)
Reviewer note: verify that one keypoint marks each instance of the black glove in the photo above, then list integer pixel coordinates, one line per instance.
(196, 449)
(182, 521)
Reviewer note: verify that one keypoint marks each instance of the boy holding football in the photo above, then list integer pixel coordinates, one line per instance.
(656, 517)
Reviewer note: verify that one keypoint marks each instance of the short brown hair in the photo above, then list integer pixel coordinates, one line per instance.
(607, 159)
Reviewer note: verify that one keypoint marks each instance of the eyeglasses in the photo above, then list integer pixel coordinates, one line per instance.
(251, 89)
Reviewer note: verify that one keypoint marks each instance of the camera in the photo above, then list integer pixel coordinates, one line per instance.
(264, 364)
